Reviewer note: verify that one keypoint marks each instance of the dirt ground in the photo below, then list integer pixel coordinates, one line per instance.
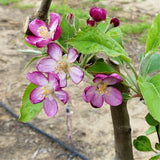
(92, 131)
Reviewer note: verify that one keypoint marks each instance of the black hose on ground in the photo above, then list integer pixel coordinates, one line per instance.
(74, 152)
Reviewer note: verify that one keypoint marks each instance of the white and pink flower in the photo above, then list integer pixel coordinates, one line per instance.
(42, 34)
(103, 91)
(61, 64)
(47, 90)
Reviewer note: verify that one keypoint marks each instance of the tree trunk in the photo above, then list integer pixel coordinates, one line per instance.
(122, 130)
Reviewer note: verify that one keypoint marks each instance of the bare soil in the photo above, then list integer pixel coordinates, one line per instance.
(92, 131)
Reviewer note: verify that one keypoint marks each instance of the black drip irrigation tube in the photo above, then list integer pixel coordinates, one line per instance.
(74, 152)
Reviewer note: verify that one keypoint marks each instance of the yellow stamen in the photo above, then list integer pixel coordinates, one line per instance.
(43, 32)
(102, 88)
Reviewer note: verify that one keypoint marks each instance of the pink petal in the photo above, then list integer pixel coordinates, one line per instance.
(113, 79)
(55, 51)
(76, 74)
(54, 80)
(99, 77)
(113, 97)
(36, 95)
(35, 25)
(72, 55)
(50, 106)
(63, 79)
(57, 33)
(62, 96)
(53, 26)
(54, 17)
(47, 65)
(43, 42)
(89, 93)
(37, 78)
(97, 100)
(33, 40)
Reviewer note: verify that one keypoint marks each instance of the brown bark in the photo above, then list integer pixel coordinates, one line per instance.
(122, 130)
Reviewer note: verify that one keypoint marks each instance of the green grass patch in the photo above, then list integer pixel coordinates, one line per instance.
(116, 8)
(23, 7)
(65, 9)
(7, 2)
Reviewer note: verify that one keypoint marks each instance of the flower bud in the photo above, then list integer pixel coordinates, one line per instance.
(115, 21)
(90, 22)
(70, 18)
(98, 14)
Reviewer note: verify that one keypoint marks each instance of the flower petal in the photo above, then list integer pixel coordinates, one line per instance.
(43, 42)
(37, 95)
(97, 101)
(37, 78)
(62, 96)
(72, 55)
(76, 74)
(55, 51)
(113, 79)
(57, 33)
(47, 65)
(54, 80)
(89, 93)
(113, 97)
(99, 77)
(54, 17)
(35, 25)
(50, 106)
(63, 79)
(33, 40)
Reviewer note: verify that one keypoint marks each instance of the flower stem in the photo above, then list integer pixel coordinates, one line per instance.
(87, 74)
(133, 70)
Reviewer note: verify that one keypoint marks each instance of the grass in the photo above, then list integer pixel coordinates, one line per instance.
(7, 2)
(65, 9)
(23, 7)
(115, 8)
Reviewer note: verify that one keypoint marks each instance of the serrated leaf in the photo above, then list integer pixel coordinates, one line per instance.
(153, 40)
(67, 31)
(100, 67)
(92, 40)
(151, 93)
(28, 110)
(142, 143)
(151, 130)
(150, 120)
(156, 157)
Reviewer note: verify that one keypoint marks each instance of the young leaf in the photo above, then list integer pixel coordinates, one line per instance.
(142, 143)
(151, 130)
(92, 40)
(156, 157)
(67, 31)
(151, 93)
(28, 110)
(150, 120)
(153, 40)
(157, 146)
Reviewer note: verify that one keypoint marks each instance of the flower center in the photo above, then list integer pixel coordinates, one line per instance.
(102, 88)
(46, 91)
(43, 32)
(61, 65)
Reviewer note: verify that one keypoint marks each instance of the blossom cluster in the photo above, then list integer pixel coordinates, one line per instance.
(53, 70)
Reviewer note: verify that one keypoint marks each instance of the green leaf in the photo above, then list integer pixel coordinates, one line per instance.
(151, 130)
(126, 97)
(157, 146)
(150, 120)
(153, 40)
(92, 40)
(31, 51)
(156, 157)
(153, 64)
(151, 93)
(100, 67)
(142, 143)
(67, 31)
(116, 34)
(103, 26)
(28, 110)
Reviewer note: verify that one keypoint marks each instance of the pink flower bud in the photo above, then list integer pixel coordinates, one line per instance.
(90, 23)
(115, 21)
(98, 14)
(70, 18)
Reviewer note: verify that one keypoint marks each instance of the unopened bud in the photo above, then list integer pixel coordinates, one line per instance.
(90, 22)
(115, 21)
(70, 18)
